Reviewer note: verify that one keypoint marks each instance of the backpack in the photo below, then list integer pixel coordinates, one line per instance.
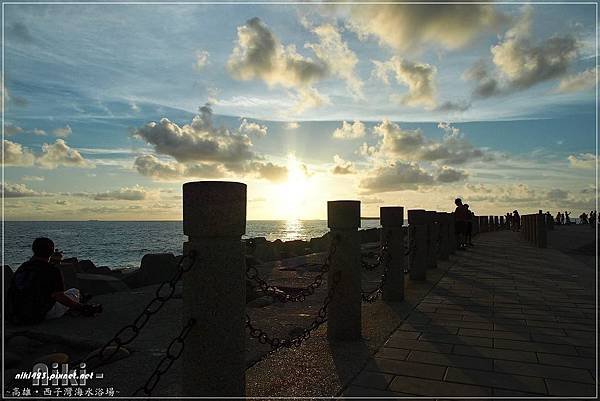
(25, 295)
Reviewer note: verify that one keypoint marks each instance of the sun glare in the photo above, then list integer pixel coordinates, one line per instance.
(293, 194)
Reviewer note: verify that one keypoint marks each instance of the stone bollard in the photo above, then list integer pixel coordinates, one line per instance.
(433, 231)
(502, 224)
(496, 223)
(484, 221)
(214, 290)
(417, 258)
(452, 240)
(444, 248)
(542, 238)
(476, 227)
(344, 311)
(392, 219)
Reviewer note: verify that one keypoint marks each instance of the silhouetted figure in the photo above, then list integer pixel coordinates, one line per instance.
(557, 219)
(583, 218)
(592, 218)
(516, 221)
(567, 218)
(461, 218)
(37, 290)
(469, 232)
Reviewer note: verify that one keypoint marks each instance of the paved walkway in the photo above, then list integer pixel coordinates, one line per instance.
(507, 320)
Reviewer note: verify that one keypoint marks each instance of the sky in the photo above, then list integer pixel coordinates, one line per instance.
(108, 109)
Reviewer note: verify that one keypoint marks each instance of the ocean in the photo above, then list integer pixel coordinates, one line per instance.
(122, 244)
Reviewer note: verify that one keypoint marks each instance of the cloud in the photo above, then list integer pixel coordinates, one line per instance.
(10, 129)
(309, 98)
(201, 60)
(557, 194)
(135, 193)
(408, 27)
(412, 145)
(271, 172)
(520, 63)
(419, 77)
(32, 178)
(397, 176)
(342, 167)
(292, 125)
(450, 106)
(585, 80)
(60, 154)
(39, 132)
(250, 128)
(19, 191)
(583, 161)
(371, 200)
(16, 155)
(447, 174)
(350, 130)
(199, 141)
(62, 132)
(258, 54)
(19, 31)
(62, 202)
(151, 166)
(134, 107)
(337, 56)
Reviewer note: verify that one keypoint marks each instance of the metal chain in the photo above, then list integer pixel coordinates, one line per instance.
(372, 296)
(277, 343)
(174, 351)
(160, 298)
(300, 296)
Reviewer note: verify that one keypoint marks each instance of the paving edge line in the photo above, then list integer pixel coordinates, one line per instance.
(453, 263)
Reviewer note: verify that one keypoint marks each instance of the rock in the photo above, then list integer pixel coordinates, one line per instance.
(11, 359)
(86, 266)
(57, 357)
(320, 244)
(265, 250)
(69, 273)
(293, 248)
(68, 261)
(154, 268)
(369, 235)
(97, 284)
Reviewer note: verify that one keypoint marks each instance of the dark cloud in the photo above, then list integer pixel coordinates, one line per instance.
(398, 176)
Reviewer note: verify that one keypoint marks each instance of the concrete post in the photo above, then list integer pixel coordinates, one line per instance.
(542, 238)
(496, 223)
(392, 219)
(214, 290)
(444, 248)
(433, 228)
(550, 222)
(486, 227)
(476, 227)
(502, 226)
(344, 311)
(534, 225)
(417, 259)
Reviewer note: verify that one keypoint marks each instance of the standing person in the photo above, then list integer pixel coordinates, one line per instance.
(37, 290)
(562, 219)
(558, 218)
(516, 221)
(592, 218)
(461, 218)
(583, 218)
(469, 228)
(567, 218)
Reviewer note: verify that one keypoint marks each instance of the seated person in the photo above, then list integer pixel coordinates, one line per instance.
(37, 290)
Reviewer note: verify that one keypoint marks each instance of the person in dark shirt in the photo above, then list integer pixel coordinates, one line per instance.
(37, 290)
(461, 218)
(469, 232)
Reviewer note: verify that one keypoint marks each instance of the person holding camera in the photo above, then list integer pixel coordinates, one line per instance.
(37, 292)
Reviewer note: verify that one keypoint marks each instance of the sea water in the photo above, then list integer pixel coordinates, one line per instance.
(122, 244)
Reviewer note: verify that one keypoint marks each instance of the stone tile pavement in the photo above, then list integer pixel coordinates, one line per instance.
(507, 320)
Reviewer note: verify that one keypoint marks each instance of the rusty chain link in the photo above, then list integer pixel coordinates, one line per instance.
(174, 351)
(132, 330)
(300, 296)
(277, 343)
